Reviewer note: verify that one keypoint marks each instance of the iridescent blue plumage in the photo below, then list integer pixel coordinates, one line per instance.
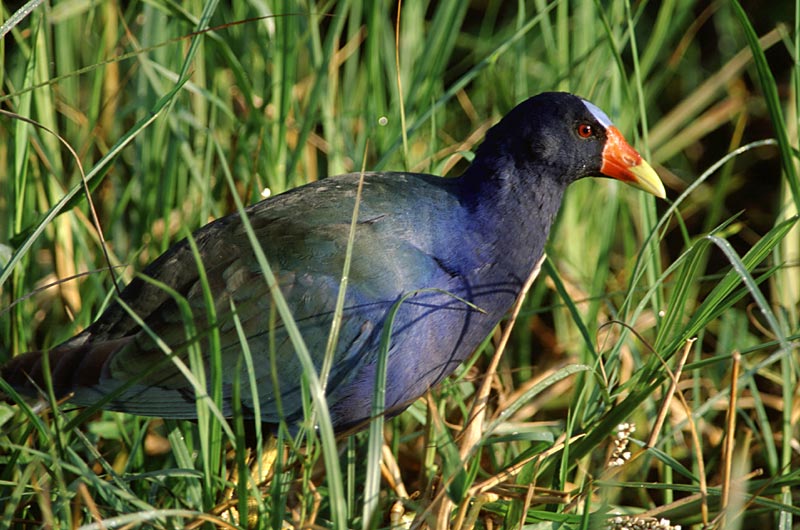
(434, 240)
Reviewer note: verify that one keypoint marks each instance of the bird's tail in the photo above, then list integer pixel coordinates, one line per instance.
(72, 366)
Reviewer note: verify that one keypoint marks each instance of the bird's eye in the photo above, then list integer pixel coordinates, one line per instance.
(585, 130)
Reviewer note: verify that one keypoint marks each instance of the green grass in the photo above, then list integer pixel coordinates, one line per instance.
(173, 114)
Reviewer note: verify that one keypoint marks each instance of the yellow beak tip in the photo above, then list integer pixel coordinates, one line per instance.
(647, 179)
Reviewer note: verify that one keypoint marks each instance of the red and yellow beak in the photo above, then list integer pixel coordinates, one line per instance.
(623, 162)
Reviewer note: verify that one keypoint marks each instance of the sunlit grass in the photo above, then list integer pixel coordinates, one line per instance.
(174, 124)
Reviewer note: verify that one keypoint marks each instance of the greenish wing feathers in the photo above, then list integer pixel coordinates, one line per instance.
(309, 282)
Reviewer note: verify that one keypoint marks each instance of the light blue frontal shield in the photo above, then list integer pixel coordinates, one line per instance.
(601, 116)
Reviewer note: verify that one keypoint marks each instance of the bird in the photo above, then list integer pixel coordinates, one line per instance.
(442, 259)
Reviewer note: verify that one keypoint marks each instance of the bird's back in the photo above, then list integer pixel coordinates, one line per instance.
(412, 235)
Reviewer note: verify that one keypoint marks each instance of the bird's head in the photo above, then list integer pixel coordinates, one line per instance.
(560, 135)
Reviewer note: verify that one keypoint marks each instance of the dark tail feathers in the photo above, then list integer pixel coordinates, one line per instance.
(71, 367)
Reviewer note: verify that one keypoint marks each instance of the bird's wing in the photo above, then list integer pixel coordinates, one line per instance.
(307, 258)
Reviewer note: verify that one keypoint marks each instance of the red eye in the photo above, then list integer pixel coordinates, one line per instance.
(585, 130)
